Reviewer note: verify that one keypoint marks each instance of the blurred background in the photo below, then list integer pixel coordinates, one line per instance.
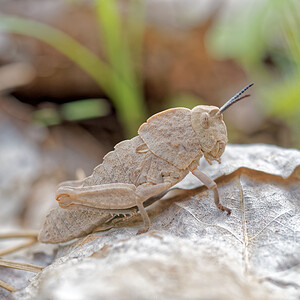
(77, 77)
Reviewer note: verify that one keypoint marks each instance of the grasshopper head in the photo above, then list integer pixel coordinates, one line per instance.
(211, 129)
(207, 121)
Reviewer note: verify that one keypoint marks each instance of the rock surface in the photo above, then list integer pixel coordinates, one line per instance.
(20, 163)
(193, 250)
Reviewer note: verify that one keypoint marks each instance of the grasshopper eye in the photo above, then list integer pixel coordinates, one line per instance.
(204, 120)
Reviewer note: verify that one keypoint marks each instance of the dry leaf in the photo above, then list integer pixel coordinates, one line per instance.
(194, 251)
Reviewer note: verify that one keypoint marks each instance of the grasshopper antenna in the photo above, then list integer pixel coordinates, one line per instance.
(235, 99)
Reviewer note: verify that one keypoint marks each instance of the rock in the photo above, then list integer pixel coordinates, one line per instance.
(193, 250)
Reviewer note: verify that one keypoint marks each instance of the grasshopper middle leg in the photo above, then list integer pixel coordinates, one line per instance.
(145, 192)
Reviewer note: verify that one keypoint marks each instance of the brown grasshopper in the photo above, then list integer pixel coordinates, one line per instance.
(168, 147)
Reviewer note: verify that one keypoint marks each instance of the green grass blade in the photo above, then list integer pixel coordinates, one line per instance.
(117, 46)
(130, 115)
(82, 56)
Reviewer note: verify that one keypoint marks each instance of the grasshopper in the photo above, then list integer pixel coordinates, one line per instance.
(168, 147)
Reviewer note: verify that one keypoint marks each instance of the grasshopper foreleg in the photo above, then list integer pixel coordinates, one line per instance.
(210, 184)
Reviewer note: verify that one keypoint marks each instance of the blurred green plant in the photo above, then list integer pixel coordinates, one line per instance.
(183, 100)
(264, 38)
(116, 73)
(72, 111)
